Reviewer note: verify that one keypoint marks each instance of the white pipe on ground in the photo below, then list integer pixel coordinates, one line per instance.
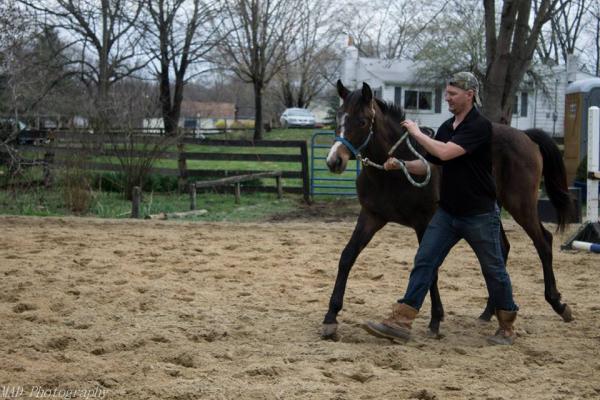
(587, 246)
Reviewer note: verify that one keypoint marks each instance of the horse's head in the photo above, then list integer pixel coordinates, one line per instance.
(355, 119)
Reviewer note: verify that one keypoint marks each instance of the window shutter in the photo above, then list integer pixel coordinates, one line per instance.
(438, 100)
(398, 95)
(523, 104)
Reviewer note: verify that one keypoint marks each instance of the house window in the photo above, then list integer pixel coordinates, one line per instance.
(524, 104)
(190, 123)
(379, 92)
(418, 100)
(520, 108)
(398, 95)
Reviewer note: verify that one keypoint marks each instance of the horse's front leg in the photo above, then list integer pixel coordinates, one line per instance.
(437, 309)
(366, 226)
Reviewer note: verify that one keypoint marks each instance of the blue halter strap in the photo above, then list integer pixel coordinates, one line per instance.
(350, 147)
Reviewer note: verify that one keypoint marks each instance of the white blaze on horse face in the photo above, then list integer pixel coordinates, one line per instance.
(343, 125)
(332, 156)
(333, 151)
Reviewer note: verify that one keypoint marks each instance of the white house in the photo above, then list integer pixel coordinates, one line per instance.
(396, 81)
(199, 116)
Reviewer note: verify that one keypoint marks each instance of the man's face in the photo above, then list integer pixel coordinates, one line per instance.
(458, 99)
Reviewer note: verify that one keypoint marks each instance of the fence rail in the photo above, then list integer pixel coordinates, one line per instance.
(64, 146)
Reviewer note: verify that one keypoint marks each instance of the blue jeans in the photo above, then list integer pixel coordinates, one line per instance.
(482, 232)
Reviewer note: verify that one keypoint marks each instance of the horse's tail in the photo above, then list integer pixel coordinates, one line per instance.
(555, 175)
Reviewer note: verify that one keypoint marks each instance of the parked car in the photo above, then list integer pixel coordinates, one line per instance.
(20, 134)
(297, 117)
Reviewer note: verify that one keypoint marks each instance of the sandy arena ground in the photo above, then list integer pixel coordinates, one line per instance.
(167, 310)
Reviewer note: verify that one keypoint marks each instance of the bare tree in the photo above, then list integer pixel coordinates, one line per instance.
(260, 32)
(566, 27)
(453, 44)
(387, 29)
(315, 58)
(509, 51)
(182, 33)
(594, 30)
(104, 34)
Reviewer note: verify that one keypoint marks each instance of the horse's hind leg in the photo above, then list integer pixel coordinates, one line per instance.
(487, 314)
(542, 240)
(367, 225)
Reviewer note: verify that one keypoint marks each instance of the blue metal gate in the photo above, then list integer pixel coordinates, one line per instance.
(323, 182)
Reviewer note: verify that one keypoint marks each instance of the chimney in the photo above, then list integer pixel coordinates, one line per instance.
(572, 67)
(350, 65)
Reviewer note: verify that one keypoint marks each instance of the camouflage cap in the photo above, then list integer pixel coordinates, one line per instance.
(466, 81)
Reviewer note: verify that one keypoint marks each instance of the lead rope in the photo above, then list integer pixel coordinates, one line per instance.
(365, 161)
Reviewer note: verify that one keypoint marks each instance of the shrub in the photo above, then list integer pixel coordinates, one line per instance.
(74, 181)
(115, 182)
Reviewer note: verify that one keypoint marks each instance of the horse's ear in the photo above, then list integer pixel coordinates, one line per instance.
(342, 91)
(367, 93)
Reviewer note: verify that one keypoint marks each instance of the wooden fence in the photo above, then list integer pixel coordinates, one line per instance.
(256, 155)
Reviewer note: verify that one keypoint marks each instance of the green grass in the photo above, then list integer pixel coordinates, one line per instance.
(220, 207)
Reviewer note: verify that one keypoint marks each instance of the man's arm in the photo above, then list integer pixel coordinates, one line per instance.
(443, 151)
(414, 167)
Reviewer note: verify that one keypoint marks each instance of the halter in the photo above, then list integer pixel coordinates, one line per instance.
(349, 145)
(366, 162)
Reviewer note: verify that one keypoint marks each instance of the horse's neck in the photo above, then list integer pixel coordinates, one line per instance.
(380, 145)
(389, 134)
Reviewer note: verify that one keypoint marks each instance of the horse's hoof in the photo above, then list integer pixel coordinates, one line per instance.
(567, 315)
(434, 334)
(485, 317)
(330, 332)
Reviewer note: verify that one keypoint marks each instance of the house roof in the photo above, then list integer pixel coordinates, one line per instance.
(204, 109)
(583, 86)
(390, 71)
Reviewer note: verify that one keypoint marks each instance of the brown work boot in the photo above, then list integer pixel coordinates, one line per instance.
(505, 335)
(397, 326)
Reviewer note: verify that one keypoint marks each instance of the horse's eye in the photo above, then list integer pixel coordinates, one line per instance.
(362, 122)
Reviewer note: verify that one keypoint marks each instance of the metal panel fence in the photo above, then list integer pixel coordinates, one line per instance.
(323, 182)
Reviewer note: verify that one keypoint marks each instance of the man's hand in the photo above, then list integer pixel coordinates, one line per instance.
(391, 164)
(411, 127)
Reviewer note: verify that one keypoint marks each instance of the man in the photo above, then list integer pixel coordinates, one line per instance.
(467, 210)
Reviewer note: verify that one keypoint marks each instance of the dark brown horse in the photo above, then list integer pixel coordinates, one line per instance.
(519, 159)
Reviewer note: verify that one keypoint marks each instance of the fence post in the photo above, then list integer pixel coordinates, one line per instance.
(136, 197)
(192, 188)
(238, 193)
(48, 160)
(182, 165)
(305, 177)
(279, 187)
(593, 163)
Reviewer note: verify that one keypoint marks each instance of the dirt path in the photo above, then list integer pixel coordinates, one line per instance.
(164, 310)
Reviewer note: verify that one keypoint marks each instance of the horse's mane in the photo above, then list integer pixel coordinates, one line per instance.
(394, 111)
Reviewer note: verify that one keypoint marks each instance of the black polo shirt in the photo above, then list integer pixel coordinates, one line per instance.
(467, 185)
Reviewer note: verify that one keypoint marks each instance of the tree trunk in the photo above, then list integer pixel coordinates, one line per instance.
(258, 117)
(103, 112)
(509, 53)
